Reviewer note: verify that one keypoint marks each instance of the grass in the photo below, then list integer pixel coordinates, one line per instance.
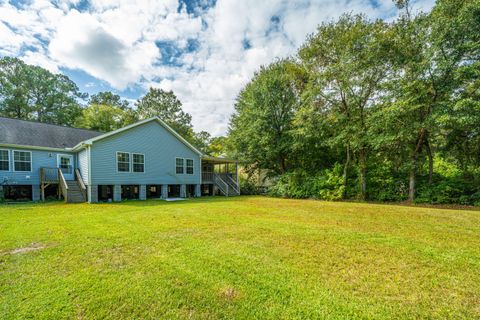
(238, 258)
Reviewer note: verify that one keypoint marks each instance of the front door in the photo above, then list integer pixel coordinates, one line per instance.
(65, 163)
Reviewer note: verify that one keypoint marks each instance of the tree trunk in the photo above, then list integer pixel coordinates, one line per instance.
(412, 178)
(411, 181)
(363, 174)
(281, 163)
(345, 173)
(430, 160)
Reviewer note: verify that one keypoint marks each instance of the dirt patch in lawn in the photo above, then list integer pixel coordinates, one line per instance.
(32, 247)
(229, 293)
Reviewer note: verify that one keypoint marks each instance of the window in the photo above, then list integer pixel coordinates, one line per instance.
(123, 162)
(4, 160)
(22, 160)
(138, 162)
(189, 166)
(179, 165)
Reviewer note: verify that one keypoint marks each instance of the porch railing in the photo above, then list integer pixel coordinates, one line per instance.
(222, 185)
(49, 175)
(207, 176)
(232, 184)
(63, 185)
(83, 188)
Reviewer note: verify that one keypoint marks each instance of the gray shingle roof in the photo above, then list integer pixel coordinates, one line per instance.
(30, 133)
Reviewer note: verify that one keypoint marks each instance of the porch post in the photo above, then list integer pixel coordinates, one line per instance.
(164, 191)
(143, 192)
(183, 191)
(117, 192)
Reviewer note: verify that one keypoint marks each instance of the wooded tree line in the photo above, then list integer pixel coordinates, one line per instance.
(375, 110)
(33, 93)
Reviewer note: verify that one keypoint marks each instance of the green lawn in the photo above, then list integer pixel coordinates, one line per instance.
(238, 258)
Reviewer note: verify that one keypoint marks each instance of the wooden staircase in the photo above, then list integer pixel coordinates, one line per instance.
(227, 186)
(74, 193)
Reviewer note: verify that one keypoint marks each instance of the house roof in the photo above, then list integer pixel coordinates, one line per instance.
(15, 132)
(139, 123)
(37, 134)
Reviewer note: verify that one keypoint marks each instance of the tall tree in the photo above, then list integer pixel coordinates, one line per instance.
(166, 106)
(430, 50)
(347, 64)
(108, 98)
(105, 118)
(31, 92)
(260, 129)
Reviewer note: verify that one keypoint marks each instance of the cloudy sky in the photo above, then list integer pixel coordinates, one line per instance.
(203, 50)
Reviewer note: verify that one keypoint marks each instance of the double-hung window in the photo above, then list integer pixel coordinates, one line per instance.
(22, 161)
(123, 162)
(179, 165)
(138, 161)
(4, 160)
(189, 167)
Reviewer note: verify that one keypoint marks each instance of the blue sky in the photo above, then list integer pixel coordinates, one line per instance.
(203, 50)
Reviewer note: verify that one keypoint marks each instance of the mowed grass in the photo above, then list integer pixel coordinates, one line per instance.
(238, 258)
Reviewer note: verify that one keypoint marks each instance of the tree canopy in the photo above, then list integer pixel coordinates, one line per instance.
(33, 93)
(373, 110)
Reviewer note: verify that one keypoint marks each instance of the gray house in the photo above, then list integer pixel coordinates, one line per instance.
(147, 159)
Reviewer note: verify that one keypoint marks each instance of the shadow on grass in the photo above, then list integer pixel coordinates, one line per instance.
(158, 202)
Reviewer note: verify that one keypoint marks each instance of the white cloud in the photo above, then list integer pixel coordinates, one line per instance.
(115, 41)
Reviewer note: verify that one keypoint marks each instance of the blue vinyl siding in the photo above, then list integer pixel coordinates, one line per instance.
(40, 158)
(158, 145)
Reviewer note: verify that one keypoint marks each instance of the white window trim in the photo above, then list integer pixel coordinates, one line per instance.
(144, 162)
(8, 159)
(129, 162)
(71, 156)
(183, 166)
(13, 158)
(193, 167)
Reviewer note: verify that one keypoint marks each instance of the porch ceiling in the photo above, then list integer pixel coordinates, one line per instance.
(218, 160)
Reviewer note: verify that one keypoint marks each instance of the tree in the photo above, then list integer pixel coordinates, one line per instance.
(430, 49)
(105, 118)
(218, 146)
(347, 64)
(166, 106)
(260, 129)
(31, 92)
(201, 140)
(110, 99)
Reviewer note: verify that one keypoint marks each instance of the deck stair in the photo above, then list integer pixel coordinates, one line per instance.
(227, 186)
(74, 192)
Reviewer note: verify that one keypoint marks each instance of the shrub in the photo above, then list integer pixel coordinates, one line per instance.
(326, 185)
(454, 190)
(247, 185)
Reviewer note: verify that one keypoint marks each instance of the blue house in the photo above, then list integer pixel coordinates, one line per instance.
(144, 160)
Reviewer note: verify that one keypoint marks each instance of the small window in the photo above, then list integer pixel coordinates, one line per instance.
(22, 161)
(179, 165)
(138, 162)
(4, 160)
(123, 162)
(189, 166)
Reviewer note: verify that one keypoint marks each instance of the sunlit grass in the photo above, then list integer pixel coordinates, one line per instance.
(242, 258)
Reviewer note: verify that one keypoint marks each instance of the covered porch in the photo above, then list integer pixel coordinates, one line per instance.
(220, 174)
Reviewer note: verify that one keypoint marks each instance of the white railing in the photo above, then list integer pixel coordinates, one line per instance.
(222, 185)
(233, 184)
